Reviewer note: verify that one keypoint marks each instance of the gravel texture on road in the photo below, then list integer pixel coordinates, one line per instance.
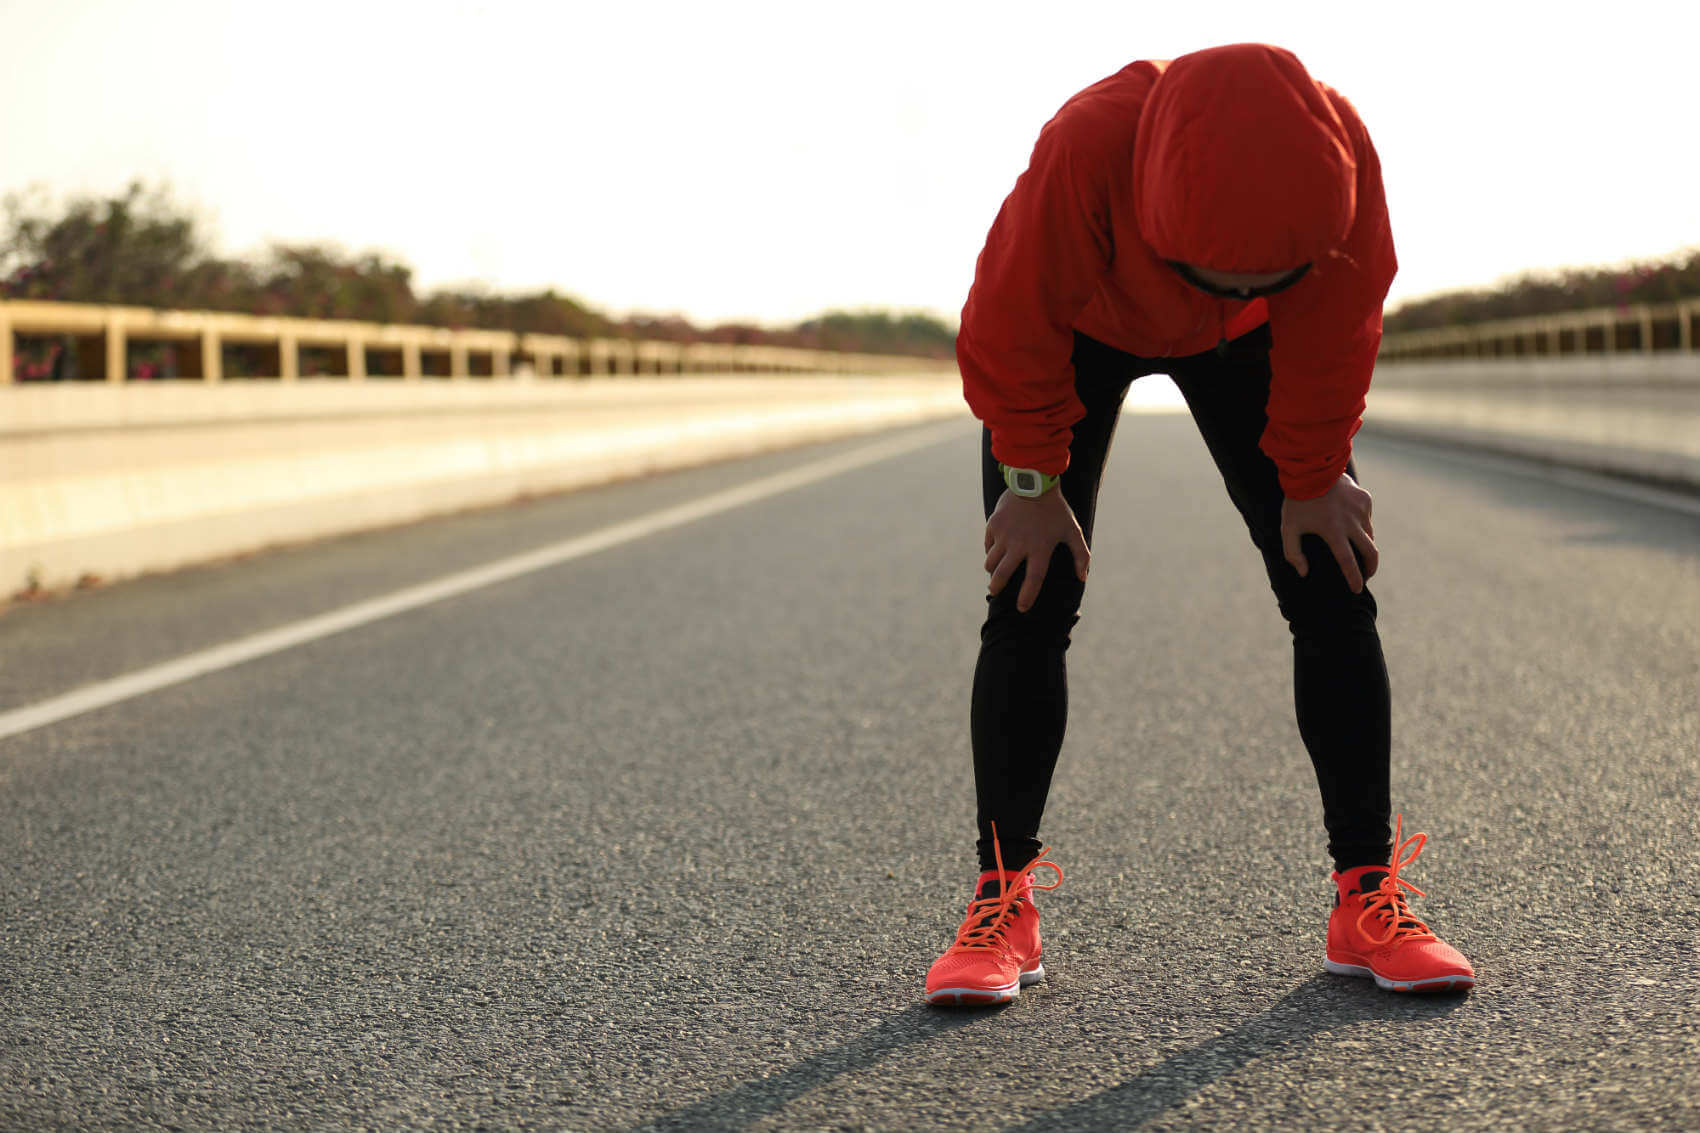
(666, 837)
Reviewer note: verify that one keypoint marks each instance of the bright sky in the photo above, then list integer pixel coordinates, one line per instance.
(766, 161)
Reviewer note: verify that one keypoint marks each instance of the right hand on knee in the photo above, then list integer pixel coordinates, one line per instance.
(1341, 516)
(1027, 531)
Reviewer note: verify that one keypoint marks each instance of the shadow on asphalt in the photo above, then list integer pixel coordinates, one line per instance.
(750, 1101)
(1321, 1004)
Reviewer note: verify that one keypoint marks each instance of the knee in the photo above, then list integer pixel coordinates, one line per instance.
(1053, 614)
(1320, 605)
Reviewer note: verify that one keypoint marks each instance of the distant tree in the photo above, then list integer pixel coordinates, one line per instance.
(737, 334)
(452, 309)
(139, 247)
(144, 248)
(226, 285)
(661, 328)
(319, 281)
(547, 312)
(1542, 293)
(880, 332)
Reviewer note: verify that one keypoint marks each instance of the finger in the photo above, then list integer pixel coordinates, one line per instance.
(1365, 543)
(1342, 549)
(1001, 573)
(1037, 565)
(994, 555)
(1294, 556)
(1082, 553)
(990, 539)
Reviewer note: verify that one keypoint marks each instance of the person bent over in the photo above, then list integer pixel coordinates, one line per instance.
(1218, 218)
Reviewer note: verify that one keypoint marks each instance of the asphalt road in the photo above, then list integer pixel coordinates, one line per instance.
(665, 836)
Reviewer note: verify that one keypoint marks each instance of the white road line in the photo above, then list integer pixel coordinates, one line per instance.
(104, 693)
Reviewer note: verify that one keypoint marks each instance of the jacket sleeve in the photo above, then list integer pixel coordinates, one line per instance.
(1046, 253)
(1326, 337)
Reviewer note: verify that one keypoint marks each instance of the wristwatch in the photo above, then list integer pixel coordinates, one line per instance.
(1026, 482)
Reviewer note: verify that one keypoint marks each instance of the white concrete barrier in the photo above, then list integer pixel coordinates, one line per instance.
(1635, 415)
(115, 479)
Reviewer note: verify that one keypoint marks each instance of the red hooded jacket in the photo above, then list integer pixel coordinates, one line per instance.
(1234, 159)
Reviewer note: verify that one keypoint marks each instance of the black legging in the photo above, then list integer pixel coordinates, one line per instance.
(1339, 677)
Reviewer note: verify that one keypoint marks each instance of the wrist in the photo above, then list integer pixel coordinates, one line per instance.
(1028, 483)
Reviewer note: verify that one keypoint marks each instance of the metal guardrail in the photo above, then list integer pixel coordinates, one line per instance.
(1643, 328)
(194, 345)
(108, 341)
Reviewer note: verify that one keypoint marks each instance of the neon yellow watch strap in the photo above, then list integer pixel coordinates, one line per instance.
(1027, 482)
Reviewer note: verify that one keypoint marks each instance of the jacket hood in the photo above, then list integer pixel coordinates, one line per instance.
(1241, 163)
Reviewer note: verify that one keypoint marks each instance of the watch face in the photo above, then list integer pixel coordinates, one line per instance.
(1026, 480)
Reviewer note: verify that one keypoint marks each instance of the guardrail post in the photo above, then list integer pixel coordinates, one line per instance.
(457, 359)
(411, 367)
(288, 358)
(6, 348)
(356, 359)
(1559, 333)
(212, 355)
(117, 356)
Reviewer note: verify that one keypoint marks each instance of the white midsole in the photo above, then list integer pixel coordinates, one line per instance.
(1007, 991)
(1457, 981)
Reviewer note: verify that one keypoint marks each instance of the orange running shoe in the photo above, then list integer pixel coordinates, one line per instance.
(997, 950)
(1373, 933)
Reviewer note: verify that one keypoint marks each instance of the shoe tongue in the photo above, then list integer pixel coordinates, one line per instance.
(1370, 880)
(990, 887)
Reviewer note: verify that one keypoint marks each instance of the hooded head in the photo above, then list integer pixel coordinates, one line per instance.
(1241, 163)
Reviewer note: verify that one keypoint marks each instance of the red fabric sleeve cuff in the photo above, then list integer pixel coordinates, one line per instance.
(1308, 485)
(1045, 458)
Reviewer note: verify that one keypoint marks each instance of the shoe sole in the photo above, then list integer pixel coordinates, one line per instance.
(1435, 983)
(985, 996)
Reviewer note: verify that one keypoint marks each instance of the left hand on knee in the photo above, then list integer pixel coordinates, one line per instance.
(1341, 516)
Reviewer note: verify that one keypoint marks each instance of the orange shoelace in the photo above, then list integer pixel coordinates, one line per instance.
(1387, 902)
(989, 916)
